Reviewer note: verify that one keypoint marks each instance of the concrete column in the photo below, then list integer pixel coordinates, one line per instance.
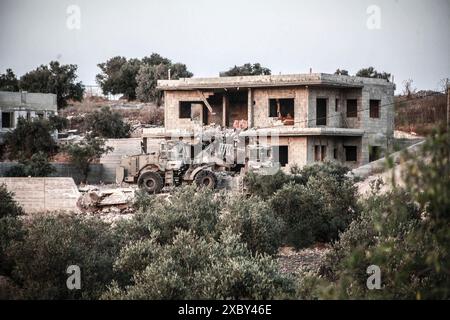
(250, 108)
(224, 109)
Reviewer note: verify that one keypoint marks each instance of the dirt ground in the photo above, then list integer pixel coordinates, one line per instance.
(307, 259)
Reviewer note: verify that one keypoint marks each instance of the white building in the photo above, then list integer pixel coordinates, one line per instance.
(24, 104)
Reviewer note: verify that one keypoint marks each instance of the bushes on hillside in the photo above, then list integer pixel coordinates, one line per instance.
(254, 221)
(207, 213)
(199, 268)
(106, 124)
(318, 203)
(8, 206)
(39, 259)
(404, 232)
(37, 166)
(30, 137)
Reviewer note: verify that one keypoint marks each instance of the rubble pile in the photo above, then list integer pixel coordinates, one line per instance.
(101, 200)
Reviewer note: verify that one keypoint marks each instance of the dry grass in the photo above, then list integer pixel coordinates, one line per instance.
(420, 114)
(135, 113)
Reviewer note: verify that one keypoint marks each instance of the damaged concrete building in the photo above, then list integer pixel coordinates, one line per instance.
(24, 104)
(314, 117)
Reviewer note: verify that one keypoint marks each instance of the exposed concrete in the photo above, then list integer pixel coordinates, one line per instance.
(44, 194)
(251, 98)
(111, 160)
(268, 81)
(26, 105)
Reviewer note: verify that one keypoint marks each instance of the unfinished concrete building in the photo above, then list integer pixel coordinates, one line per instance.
(24, 104)
(315, 117)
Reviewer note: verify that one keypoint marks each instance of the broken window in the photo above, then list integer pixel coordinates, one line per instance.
(282, 154)
(374, 153)
(352, 108)
(350, 153)
(374, 108)
(185, 110)
(191, 110)
(282, 109)
(320, 153)
(7, 119)
(321, 112)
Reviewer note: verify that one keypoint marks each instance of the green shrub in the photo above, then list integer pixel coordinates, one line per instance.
(83, 153)
(58, 123)
(199, 268)
(298, 208)
(256, 223)
(265, 186)
(8, 206)
(405, 232)
(318, 209)
(188, 208)
(37, 166)
(106, 124)
(52, 243)
(30, 137)
(11, 229)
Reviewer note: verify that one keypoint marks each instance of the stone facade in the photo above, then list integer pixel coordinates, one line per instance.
(316, 116)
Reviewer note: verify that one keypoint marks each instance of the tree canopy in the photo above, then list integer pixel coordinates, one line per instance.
(136, 78)
(246, 69)
(54, 78)
(29, 137)
(9, 81)
(370, 72)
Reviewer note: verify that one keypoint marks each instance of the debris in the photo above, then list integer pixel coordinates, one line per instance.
(106, 199)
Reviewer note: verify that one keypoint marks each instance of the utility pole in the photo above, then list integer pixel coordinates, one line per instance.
(448, 106)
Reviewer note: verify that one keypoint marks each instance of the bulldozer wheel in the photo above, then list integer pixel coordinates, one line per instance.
(206, 178)
(151, 182)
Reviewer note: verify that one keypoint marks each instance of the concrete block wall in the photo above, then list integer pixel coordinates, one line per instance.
(65, 170)
(172, 100)
(261, 105)
(111, 160)
(44, 194)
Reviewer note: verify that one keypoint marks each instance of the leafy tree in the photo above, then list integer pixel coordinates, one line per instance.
(29, 137)
(37, 166)
(265, 186)
(193, 210)
(151, 71)
(136, 78)
(110, 79)
(58, 123)
(83, 153)
(254, 221)
(342, 72)
(51, 243)
(198, 268)
(9, 81)
(246, 69)
(54, 78)
(106, 124)
(156, 59)
(370, 72)
(405, 232)
(8, 206)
